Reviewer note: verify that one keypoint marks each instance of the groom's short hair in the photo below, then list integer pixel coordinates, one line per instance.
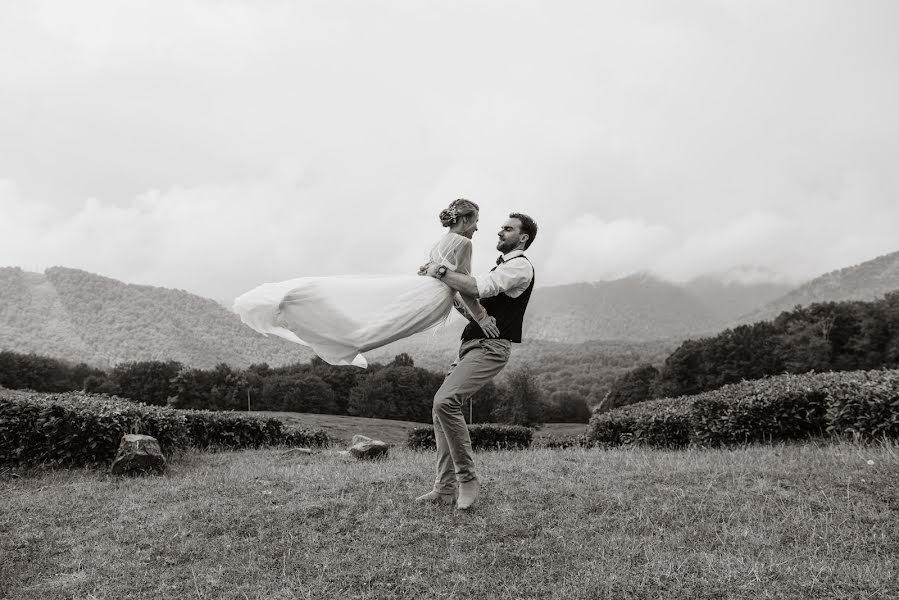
(528, 226)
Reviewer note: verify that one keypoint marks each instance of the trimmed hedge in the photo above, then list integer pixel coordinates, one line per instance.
(306, 438)
(227, 429)
(72, 429)
(865, 406)
(483, 437)
(860, 404)
(663, 423)
(75, 429)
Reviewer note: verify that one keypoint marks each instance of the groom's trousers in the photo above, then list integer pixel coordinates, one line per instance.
(479, 361)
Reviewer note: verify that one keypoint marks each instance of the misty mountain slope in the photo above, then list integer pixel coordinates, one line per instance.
(106, 322)
(80, 316)
(33, 318)
(76, 315)
(728, 299)
(639, 307)
(869, 280)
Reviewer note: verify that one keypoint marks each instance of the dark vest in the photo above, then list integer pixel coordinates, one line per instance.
(508, 312)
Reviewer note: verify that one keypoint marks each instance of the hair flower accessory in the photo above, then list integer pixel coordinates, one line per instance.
(452, 213)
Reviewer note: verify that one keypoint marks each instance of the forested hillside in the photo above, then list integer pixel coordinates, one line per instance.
(83, 317)
(80, 316)
(33, 319)
(869, 280)
(827, 336)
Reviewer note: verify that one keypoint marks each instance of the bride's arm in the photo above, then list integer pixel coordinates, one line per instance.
(470, 308)
(459, 305)
(476, 311)
(454, 253)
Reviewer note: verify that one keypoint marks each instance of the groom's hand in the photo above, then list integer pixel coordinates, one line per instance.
(423, 270)
(488, 326)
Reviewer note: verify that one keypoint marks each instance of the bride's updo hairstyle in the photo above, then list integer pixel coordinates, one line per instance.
(457, 210)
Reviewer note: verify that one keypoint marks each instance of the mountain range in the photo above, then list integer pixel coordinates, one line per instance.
(869, 280)
(80, 316)
(642, 307)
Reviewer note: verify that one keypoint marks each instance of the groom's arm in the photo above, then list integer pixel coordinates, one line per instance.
(464, 284)
(512, 277)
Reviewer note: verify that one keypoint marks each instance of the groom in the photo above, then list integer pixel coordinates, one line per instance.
(504, 293)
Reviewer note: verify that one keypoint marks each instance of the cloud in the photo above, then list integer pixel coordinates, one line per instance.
(214, 146)
(590, 249)
(754, 239)
(220, 240)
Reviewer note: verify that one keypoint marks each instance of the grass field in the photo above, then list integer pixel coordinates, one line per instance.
(392, 432)
(802, 521)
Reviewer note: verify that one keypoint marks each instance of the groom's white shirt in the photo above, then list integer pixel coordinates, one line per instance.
(512, 277)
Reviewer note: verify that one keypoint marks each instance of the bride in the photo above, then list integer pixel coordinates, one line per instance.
(341, 317)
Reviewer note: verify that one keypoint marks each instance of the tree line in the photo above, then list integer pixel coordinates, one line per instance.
(397, 390)
(826, 336)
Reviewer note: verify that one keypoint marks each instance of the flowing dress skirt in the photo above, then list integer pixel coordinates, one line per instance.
(339, 318)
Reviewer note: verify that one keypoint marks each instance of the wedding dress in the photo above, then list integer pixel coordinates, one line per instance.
(341, 317)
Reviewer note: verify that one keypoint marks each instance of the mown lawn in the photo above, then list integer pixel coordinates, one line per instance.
(803, 521)
(344, 427)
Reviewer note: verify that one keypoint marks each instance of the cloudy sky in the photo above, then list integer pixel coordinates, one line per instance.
(213, 146)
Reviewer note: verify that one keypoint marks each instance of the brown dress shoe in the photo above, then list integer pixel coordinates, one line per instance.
(437, 498)
(468, 493)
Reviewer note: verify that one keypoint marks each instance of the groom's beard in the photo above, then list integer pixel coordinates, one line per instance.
(504, 247)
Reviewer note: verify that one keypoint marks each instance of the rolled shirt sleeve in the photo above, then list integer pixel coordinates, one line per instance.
(511, 277)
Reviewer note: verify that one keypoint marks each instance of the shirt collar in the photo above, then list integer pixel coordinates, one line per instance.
(512, 254)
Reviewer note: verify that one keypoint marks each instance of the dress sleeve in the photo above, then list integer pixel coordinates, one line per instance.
(463, 266)
(446, 250)
(463, 257)
(454, 253)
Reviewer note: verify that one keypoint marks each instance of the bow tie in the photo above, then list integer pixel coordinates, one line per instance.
(500, 260)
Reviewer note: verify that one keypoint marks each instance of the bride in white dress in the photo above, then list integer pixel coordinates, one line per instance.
(341, 317)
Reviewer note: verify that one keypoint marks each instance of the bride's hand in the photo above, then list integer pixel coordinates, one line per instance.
(423, 270)
(488, 326)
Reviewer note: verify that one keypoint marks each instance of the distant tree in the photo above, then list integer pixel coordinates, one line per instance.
(745, 352)
(80, 373)
(567, 407)
(306, 393)
(402, 360)
(261, 369)
(150, 382)
(227, 388)
(803, 341)
(34, 372)
(341, 380)
(523, 401)
(891, 316)
(99, 384)
(480, 407)
(403, 393)
(632, 387)
(254, 376)
(191, 390)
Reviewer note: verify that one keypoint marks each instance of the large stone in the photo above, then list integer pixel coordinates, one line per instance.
(138, 454)
(366, 448)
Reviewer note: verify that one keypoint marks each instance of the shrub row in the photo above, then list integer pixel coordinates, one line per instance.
(76, 429)
(866, 406)
(860, 404)
(483, 437)
(661, 423)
